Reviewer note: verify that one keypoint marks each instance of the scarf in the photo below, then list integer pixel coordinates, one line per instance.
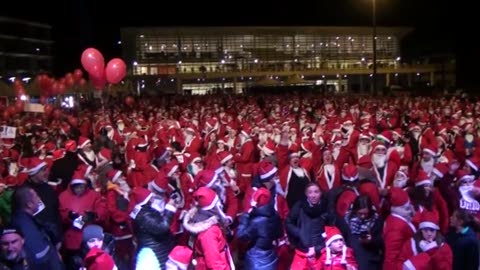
(359, 226)
(311, 210)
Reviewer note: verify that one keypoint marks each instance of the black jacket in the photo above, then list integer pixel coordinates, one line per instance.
(63, 169)
(305, 226)
(465, 249)
(368, 256)
(152, 230)
(49, 218)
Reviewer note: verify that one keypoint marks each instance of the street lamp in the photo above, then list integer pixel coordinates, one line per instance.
(374, 25)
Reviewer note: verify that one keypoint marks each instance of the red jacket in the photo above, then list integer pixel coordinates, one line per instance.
(327, 182)
(336, 260)
(439, 257)
(396, 232)
(119, 219)
(89, 201)
(211, 247)
(194, 146)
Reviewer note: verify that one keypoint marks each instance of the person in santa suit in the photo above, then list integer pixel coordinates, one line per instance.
(361, 156)
(207, 223)
(118, 216)
(85, 152)
(444, 154)
(192, 141)
(140, 170)
(336, 255)
(427, 136)
(231, 139)
(261, 226)
(426, 163)
(62, 169)
(179, 259)
(427, 249)
(187, 179)
(328, 176)
(472, 166)
(226, 194)
(403, 147)
(79, 205)
(245, 158)
(467, 196)
(425, 197)
(462, 238)
(350, 138)
(385, 164)
(398, 228)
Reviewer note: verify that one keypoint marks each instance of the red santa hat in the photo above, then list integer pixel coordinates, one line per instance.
(170, 168)
(332, 234)
(398, 197)
(429, 219)
(422, 179)
(93, 260)
(113, 175)
(378, 144)
(140, 142)
(365, 135)
(34, 165)
(83, 141)
(347, 120)
(350, 173)
(246, 129)
(308, 146)
(206, 198)
(266, 169)
(78, 177)
(139, 196)
(398, 132)
(385, 136)
(268, 148)
(71, 146)
(180, 256)
(160, 183)
(260, 197)
(58, 154)
(224, 157)
(205, 178)
(423, 120)
(463, 176)
(431, 149)
(473, 162)
(105, 154)
(440, 169)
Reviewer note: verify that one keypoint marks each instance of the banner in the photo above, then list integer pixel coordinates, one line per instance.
(34, 107)
(7, 132)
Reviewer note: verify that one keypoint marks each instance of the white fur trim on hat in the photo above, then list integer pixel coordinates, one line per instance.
(245, 134)
(437, 172)
(269, 173)
(156, 187)
(381, 137)
(470, 163)
(267, 151)
(78, 181)
(36, 169)
(429, 151)
(175, 264)
(87, 141)
(350, 179)
(333, 238)
(215, 177)
(172, 170)
(227, 158)
(467, 178)
(219, 170)
(423, 182)
(212, 204)
(428, 224)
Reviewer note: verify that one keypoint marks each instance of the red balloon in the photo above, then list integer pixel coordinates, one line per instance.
(77, 74)
(55, 88)
(82, 82)
(43, 100)
(48, 109)
(20, 91)
(61, 88)
(68, 75)
(92, 61)
(11, 110)
(116, 70)
(98, 82)
(19, 106)
(129, 100)
(69, 82)
(61, 80)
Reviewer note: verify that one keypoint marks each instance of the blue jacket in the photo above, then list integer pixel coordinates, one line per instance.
(41, 254)
(465, 249)
(261, 227)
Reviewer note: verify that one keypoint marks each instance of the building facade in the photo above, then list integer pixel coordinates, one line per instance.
(232, 59)
(25, 48)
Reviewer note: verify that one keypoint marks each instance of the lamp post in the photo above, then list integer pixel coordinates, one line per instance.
(374, 40)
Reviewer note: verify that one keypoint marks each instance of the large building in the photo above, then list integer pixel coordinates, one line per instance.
(232, 59)
(25, 48)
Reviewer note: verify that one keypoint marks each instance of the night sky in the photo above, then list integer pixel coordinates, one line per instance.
(440, 26)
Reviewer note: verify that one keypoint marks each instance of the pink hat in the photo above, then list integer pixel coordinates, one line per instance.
(180, 256)
(206, 198)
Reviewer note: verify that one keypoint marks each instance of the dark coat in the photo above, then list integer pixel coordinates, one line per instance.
(152, 230)
(63, 169)
(465, 249)
(368, 256)
(261, 227)
(41, 254)
(305, 227)
(49, 218)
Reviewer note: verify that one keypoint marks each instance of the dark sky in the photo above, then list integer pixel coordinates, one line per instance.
(440, 25)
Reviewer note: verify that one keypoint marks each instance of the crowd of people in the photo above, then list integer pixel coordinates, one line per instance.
(285, 181)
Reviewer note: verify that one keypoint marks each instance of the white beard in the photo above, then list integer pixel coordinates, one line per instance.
(232, 173)
(13, 169)
(416, 135)
(262, 138)
(90, 155)
(362, 150)
(298, 172)
(110, 134)
(188, 139)
(195, 169)
(121, 127)
(276, 138)
(427, 166)
(379, 160)
(336, 152)
(329, 168)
